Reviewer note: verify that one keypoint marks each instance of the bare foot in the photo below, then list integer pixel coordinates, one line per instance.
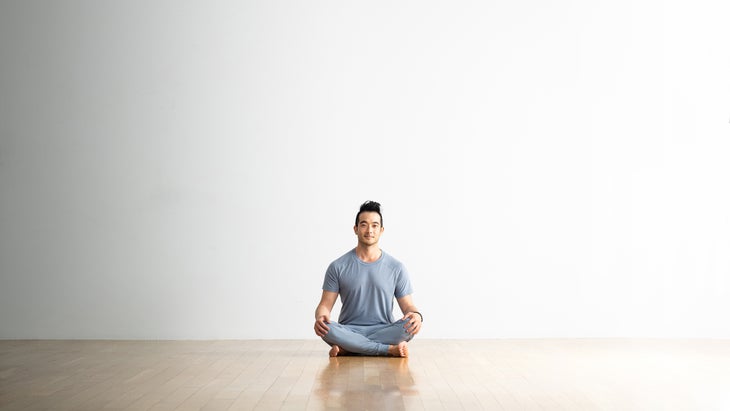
(337, 351)
(400, 350)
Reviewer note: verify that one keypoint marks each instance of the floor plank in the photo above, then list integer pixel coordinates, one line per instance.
(539, 374)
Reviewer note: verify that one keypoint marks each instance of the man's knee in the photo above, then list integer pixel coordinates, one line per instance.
(406, 335)
(392, 334)
(332, 336)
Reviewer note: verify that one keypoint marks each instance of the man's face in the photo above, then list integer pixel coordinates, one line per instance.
(368, 228)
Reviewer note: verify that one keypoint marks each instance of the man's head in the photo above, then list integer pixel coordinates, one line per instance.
(369, 223)
(369, 206)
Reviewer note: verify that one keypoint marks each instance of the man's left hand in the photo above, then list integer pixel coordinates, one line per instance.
(413, 323)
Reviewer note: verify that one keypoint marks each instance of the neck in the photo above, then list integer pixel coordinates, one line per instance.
(368, 253)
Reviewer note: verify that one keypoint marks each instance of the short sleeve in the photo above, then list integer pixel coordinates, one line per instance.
(331, 280)
(403, 285)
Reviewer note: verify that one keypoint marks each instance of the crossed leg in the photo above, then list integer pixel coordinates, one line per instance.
(379, 340)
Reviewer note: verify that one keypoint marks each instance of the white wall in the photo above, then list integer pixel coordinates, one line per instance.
(547, 169)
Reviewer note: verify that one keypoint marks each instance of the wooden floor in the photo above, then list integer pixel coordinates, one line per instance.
(611, 374)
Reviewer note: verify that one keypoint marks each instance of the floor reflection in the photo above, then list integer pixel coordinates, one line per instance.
(359, 383)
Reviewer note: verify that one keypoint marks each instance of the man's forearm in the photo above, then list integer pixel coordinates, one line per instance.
(320, 311)
(410, 309)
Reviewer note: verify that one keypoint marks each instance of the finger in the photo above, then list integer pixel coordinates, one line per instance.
(412, 327)
(320, 328)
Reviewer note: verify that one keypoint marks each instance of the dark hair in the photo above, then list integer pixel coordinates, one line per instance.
(369, 206)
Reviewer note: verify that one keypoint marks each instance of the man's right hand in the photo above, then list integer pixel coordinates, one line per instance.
(320, 325)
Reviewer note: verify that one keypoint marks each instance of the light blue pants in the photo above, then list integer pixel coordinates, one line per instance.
(367, 339)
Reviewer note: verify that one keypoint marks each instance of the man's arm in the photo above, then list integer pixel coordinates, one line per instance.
(410, 313)
(322, 313)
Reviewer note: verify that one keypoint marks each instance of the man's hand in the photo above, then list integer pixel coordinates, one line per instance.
(413, 323)
(320, 325)
(322, 313)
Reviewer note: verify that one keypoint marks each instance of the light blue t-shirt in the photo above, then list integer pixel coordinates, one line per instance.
(367, 289)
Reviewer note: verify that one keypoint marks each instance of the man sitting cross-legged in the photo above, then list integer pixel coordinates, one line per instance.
(367, 279)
